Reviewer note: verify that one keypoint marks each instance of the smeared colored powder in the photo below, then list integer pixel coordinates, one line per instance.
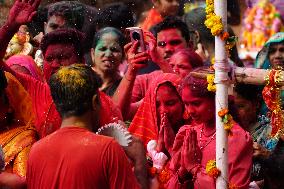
(66, 74)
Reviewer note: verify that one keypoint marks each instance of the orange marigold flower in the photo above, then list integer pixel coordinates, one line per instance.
(211, 169)
(223, 112)
(225, 36)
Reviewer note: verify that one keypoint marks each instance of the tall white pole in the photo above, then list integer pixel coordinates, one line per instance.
(221, 80)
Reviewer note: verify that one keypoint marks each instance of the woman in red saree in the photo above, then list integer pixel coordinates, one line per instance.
(159, 118)
(195, 144)
(17, 133)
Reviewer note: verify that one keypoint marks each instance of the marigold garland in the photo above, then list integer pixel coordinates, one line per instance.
(214, 23)
(271, 96)
(227, 119)
(211, 85)
(162, 176)
(211, 169)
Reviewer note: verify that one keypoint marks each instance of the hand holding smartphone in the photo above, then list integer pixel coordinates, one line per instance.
(136, 34)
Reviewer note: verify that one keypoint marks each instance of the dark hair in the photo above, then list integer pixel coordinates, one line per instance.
(117, 15)
(197, 85)
(171, 22)
(248, 91)
(3, 81)
(100, 33)
(64, 36)
(71, 11)
(194, 59)
(194, 20)
(72, 89)
(37, 23)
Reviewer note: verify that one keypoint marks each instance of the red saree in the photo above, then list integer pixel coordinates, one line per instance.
(144, 124)
(17, 140)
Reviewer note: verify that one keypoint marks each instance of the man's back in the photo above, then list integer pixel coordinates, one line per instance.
(73, 157)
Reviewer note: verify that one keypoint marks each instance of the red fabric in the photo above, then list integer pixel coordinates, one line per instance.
(74, 157)
(141, 85)
(27, 62)
(144, 124)
(239, 158)
(153, 18)
(48, 119)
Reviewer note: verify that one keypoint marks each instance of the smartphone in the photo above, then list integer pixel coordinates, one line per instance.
(136, 34)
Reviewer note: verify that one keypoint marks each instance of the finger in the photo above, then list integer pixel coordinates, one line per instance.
(134, 47)
(142, 54)
(127, 47)
(139, 61)
(36, 3)
(31, 16)
(149, 35)
(194, 140)
(186, 141)
(30, 2)
(161, 134)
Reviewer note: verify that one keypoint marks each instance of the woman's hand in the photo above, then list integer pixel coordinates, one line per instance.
(176, 150)
(151, 42)
(190, 153)
(23, 11)
(166, 135)
(135, 60)
(259, 151)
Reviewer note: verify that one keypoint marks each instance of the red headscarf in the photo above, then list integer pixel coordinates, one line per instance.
(144, 124)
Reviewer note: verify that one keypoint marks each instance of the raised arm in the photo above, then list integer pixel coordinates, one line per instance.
(21, 13)
(122, 95)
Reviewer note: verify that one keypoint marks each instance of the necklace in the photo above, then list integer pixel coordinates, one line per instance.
(207, 142)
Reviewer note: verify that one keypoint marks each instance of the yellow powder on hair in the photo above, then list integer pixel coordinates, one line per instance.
(65, 75)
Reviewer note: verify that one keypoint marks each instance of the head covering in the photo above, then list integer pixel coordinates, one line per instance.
(19, 100)
(144, 124)
(262, 59)
(27, 62)
(109, 112)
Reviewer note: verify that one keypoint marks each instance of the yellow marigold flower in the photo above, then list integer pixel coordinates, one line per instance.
(209, 9)
(211, 169)
(209, 2)
(217, 29)
(210, 78)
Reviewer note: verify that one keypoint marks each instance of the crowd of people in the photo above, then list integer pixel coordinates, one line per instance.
(67, 77)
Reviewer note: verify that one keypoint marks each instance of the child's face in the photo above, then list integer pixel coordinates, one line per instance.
(166, 7)
(200, 109)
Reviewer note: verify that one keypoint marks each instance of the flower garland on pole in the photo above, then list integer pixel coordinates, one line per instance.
(272, 98)
(215, 23)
